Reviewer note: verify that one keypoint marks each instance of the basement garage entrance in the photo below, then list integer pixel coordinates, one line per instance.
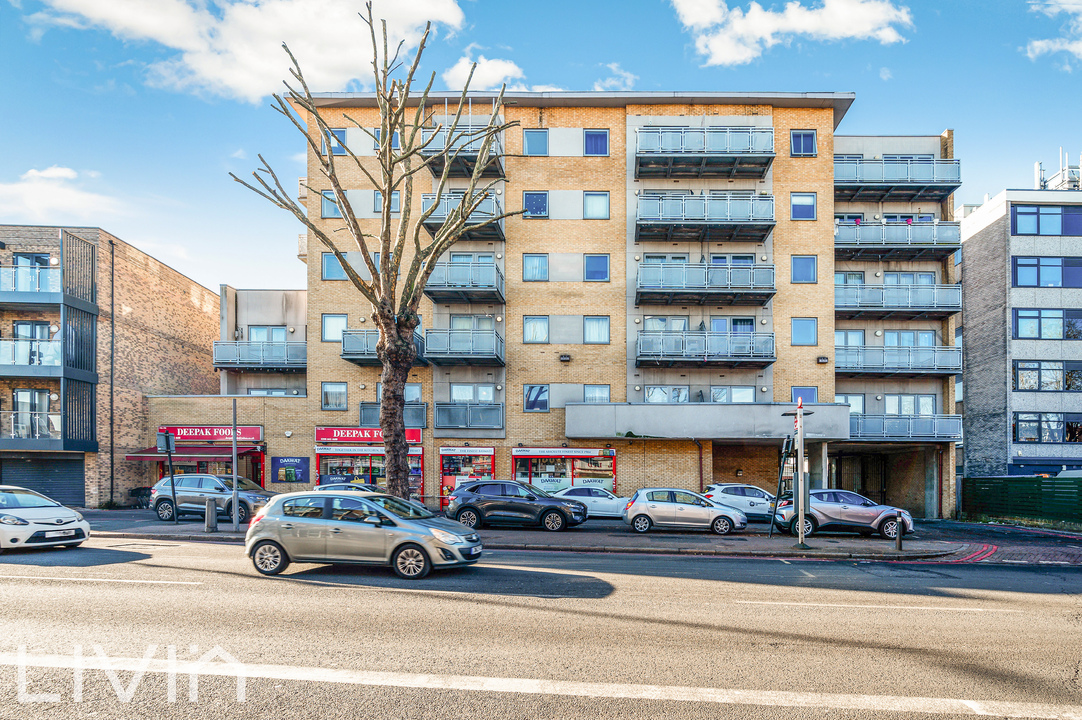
(62, 480)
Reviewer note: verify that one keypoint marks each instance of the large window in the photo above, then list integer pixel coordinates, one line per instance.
(1048, 272)
(266, 333)
(379, 133)
(595, 206)
(411, 392)
(803, 269)
(473, 393)
(535, 398)
(338, 141)
(802, 206)
(333, 396)
(535, 329)
(333, 325)
(329, 207)
(667, 394)
(1047, 324)
(909, 404)
(535, 268)
(332, 268)
(536, 205)
(732, 393)
(595, 393)
(1048, 427)
(855, 403)
(595, 330)
(805, 331)
(595, 142)
(1047, 376)
(1046, 220)
(802, 143)
(808, 394)
(535, 142)
(595, 268)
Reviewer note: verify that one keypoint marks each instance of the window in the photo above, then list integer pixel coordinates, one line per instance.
(1046, 220)
(334, 396)
(665, 323)
(805, 331)
(307, 507)
(855, 403)
(909, 404)
(909, 338)
(803, 269)
(1048, 427)
(350, 510)
(535, 142)
(732, 393)
(595, 268)
(801, 206)
(535, 329)
(332, 269)
(849, 278)
(329, 207)
(333, 325)
(535, 398)
(268, 392)
(595, 206)
(378, 204)
(849, 218)
(595, 393)
(536, 205)
(595, 330)
(667, 394)
(266, 333)
(473, 393)
(802, 143)
(378, 133)
(595, 142)
(1048, 324)
(1047, 376)
(1048, 272)
(535, 268)
(411, 392)
(807, 394)
(338, 141)
(909, 278)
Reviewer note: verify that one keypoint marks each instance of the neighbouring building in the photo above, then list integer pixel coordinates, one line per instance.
(1023, 326)
(90, 326)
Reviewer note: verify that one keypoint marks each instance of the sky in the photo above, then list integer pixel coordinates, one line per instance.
(129, 114)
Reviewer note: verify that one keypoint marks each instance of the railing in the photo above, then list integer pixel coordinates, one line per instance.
(464, 343)
(464, 141)
(363, 343)
(488, 208)
(414, 415)
(22, 278)
(700, 276)
(899, 171)
(466, 276)
(898, 233)
(891, 359)
(32, 425)
(271, 354)
(724, 208)
(711, 140)
(905, 427)
(886, 297)
(704, 346)
(30, 352)
(469, 415)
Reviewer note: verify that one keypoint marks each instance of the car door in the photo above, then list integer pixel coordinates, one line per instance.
(734, 496)
(660, 507)
(758, 502)
(602, 502)
(190, 495)
(826, 504)
(302, 529)
(488, 498)
(854, 511)
(691, 510)
(350, 537)
(213, 488)
(517, 503)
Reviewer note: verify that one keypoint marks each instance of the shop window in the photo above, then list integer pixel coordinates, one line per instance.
(535, 142)
(333, 396)
(595, 268)
(595, 142)
(595, 393)
(536, 205)
(535, 398)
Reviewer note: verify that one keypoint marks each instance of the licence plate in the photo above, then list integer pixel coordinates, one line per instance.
(475, 551)
(59, 533)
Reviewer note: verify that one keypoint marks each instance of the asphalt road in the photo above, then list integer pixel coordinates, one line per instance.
(539, 635)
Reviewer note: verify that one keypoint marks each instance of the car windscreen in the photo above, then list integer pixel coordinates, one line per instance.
(536, 490)
(243, 484)
(401, 508)
(15, 499)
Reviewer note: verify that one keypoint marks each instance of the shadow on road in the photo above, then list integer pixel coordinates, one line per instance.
(69, 557)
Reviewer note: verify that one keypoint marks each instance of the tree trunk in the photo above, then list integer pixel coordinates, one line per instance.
(397, 351)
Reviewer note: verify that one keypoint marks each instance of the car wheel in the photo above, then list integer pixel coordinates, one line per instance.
(641, 523)
(888, 529)
(469, 517)
(554, 521)
(164, 510)
(721, 525)
(269, 558)
(809, 527)
(410, 562)
(242, 513)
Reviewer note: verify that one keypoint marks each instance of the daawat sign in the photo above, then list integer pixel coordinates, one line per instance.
(212, 433)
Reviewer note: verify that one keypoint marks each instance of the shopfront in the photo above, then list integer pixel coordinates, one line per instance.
(554, 469)
(462, 464)
(357, 455)
(209, 449)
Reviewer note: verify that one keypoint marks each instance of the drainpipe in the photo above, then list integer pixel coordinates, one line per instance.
(700, 445)
(112, 369)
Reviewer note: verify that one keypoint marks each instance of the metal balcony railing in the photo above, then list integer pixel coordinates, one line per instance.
(720, 208)
(19, 425)
(488, 208)
(465, 141)
(701, 276)
(466, 276)
(701, 346)
(899, 297)
(716, 140)
(469, 415)
(897, 171)
(360, 345)
(31, 352)
(467, 346)
(878, 358)
(21, 278)
(898, 233)
(261, 354)
(414, 415)
(905, 427)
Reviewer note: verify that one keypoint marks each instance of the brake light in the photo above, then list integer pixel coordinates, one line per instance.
(258, 516)
(785, 503)
(710, 496)
(452, 496)
(630, 502)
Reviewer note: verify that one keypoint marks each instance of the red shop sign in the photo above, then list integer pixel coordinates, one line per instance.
(352, 434)
(211, 433)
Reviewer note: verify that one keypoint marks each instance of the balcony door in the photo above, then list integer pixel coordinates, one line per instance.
(266, 333)
(30, 418)
(664, 270)
(849, 349)
(26, 350)
(473, 322)
(855, 403)
(28, 271)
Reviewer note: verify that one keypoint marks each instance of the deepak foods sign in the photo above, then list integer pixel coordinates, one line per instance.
(352, 434)
(212, 433)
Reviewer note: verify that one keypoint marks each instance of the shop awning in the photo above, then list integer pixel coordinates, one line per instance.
(193, 452)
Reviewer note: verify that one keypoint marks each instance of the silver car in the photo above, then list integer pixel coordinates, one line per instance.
(844, 511)
(358, 528)
(193, 490)
(670, 507)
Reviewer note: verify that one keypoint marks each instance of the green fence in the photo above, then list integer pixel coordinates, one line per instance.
(1024, 497)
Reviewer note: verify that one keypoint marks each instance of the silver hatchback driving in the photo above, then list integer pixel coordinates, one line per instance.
(357, 528)
(670, 507)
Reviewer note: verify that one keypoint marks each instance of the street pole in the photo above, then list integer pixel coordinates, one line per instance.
(798, 475)
(236, 509)
(168, 443)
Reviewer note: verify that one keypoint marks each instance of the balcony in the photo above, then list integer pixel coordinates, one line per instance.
(905, 428)
(468, 416)
(465, 283)
(31, 358)
(698, 349)
(69, 278)
(40, 431)
(464, 347)
(721, 217)
(897, 241)
(414, 415)
(449, 202)
(465, 152)
(359, 347)
(702, 284)
(272, 356)
(904, 302)
(714, 152)
(895, 180)
(855, 361)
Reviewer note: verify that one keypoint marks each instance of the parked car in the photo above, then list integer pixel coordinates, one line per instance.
(599, 502)
(195, 489)
(363, 487)
(754, 502)
(670, 507)
(30, 519)
(842, 510)
(356, 528)
(476, 503)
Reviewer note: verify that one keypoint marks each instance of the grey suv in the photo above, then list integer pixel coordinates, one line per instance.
(842, 510)
(476, 503)
(195, 489)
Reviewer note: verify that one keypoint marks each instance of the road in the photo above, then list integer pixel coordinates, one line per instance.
(541, 635)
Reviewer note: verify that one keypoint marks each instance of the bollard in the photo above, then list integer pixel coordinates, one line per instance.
(212, 516)
(901, 531)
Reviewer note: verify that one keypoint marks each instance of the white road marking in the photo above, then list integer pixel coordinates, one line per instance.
(786, 562)
(535, 686)
(104, 580)
(874, 607)
(805, 573)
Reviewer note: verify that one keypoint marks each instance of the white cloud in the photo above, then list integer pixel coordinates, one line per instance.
(1070, 40)
(491, 74)
(239, 154)
(735, 36)
(620, 80)
(885, 74)
(232, 48)
(55, 195)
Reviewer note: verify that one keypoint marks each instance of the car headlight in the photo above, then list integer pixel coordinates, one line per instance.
(12, 520)
(449, 538)
(78, 515)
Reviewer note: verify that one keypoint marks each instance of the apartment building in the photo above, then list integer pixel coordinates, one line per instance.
(1023, 321)
(95, 326)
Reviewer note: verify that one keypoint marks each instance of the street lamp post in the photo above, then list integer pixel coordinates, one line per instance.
(800, 481)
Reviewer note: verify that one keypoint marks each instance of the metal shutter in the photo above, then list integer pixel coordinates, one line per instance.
(61, 480)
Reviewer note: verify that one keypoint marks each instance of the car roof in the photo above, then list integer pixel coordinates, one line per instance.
(328, 493)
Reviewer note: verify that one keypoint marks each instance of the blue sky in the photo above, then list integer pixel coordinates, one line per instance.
(128, 114)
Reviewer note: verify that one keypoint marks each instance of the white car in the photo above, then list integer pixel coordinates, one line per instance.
(599, 502)
(754, 502)
(33, 520)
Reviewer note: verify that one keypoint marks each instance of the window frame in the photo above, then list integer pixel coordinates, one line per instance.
(814, 206)
(608, 393)
(814, 267)
(608, 204)
(814, 142)
(814, 388)
(377, 202)
(608, 329)
(669, 390)
(547, 329)
(526, 255)
(329, 201)
(338, 147)
(529, 215)
(545, 392)
(1070, 320)
(793, 331)
(588, 131)
(323, 396)
(323, 268)
(537, 131)
(323, 325)
(586, 257)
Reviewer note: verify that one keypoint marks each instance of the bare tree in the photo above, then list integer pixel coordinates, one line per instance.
(408, 142)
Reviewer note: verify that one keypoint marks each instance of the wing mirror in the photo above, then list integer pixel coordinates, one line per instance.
(373, 520)
(530, 497)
